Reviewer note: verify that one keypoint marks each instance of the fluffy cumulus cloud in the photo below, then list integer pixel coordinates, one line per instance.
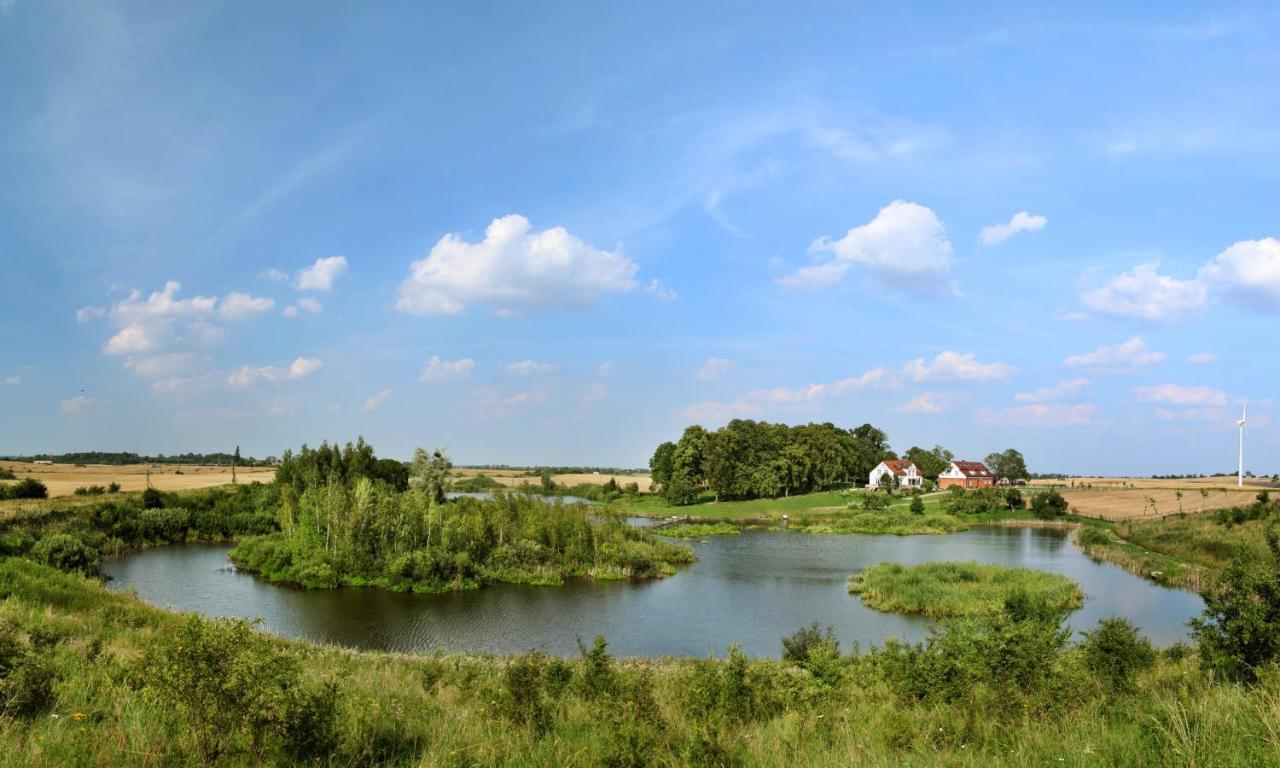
(953, 366)
(714, 368)
(515, 270)
(1177, 394)
(1246, 274)
(926, 402)
(1046, 415)
(1059, 391)
(76, 405)
(164, 318)
(1021, 222)
(1200, 358)
(527, 368)
(1127, 357)
(1144, 293)
(248, 375)
(761, 400)
(321, 275)
(437, 370)
(903, 248)
(376, 401)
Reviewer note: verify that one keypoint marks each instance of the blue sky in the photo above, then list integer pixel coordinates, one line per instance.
(558, 233)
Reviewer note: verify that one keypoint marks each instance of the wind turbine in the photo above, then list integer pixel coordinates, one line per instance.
(1244, 430)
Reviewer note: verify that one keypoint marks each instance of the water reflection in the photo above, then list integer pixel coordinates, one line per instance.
(748, 590)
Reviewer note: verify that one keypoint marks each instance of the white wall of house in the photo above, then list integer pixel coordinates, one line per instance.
(910, 479)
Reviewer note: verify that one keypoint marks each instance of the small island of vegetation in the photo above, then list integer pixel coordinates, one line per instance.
(956, 590)
(345, 518)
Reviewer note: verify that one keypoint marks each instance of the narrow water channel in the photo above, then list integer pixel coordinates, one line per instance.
(748, 590)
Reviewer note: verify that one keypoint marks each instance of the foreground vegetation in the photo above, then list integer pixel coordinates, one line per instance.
(953, 590)
(92, 677)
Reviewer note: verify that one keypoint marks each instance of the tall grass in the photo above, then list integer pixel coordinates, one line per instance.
(948, 590)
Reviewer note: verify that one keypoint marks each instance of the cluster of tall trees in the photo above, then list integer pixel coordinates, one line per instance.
(748, 459)
(124, 458)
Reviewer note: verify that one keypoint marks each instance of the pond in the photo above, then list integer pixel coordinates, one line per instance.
(748, 590)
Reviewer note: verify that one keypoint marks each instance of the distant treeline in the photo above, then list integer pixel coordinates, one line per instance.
(535, 471)
(748, 459)
(121, 458)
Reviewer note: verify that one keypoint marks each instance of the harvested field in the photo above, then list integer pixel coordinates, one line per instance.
(515, 477)
(64, 479)
(1138, 503)
(1149, 483)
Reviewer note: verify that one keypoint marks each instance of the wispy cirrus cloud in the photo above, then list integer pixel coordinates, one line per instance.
(1126, 357)
(1020, 222)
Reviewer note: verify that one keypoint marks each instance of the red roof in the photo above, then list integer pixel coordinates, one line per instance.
(898, 466)
(973, 469)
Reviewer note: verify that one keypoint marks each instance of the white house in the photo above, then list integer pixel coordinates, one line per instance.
(905, 471)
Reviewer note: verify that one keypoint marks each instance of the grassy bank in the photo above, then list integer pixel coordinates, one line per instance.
(951, 590)
(111, 693)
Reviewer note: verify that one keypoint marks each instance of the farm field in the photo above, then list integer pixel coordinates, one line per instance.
(64, 479)
(1124, 498)
(516, 477)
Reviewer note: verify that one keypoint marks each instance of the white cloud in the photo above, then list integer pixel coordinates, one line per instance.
(289, 312)
(953, 366)
(275, 275)
(177, 384)
(308, 304)
(1046, 415)
(321, 275)
(237, 306)
(662, 292)
(438, 370)
(204, 334)
(904, 248)
(282, 406)
(1176, 394)
(926, 402)
(1247, 272)
(515, 270)
(1200, 358)
(85, 314)
(1021, 222)
(159, 366)
(248, 375)
(76, 405)
(1146, 294)
(13, 380)
(1056, 392)
(304, 366)
(135, 337)
(527, 368)
(373, 403)
(1126, 357)
(757, 401)
(1207, 414)
(714, 368)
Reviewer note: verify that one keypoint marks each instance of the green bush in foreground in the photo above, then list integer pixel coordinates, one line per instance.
(1239, 633)
(1116, 653)
(947, 590)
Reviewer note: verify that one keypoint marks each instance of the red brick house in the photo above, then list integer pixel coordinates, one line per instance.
(967, 474)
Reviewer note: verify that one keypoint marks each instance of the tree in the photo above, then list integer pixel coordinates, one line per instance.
(931, 463)
(430, 474)
(1239, 631)
(917, 506)
(235, 462)
(888, 482)
(662, 463)
(1048, 505)
(1008, 464)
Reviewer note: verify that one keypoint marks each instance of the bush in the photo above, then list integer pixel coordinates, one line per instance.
(798, 647)
(1116, 653)
(27, 488)
(7, 474)
(1239, 631)
(113, 487)
(1092, 535)
(917, 506)
(308, 728)
(67, 553)
(1013, 498)
(1048, 505)
(598, 677)
(26, 675)
(523, 701)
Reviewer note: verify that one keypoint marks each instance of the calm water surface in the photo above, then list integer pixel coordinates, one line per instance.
(750, 590)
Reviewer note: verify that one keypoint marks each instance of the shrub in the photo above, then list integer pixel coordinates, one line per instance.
(597, 677)
(113, 487)
(799, 646)
(27, 488)
(1048, 505)
(151, 499)
(1092, 535)
(308, 726)
(26, 675)
(522, 700)
(917, 506)
(67, 553)
(1115, 653)
(1013, 498)
(7, 474)
(1239, 631)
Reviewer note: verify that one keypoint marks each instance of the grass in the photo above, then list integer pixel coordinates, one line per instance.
(698, 530)
(953, 590)
(455, 710)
